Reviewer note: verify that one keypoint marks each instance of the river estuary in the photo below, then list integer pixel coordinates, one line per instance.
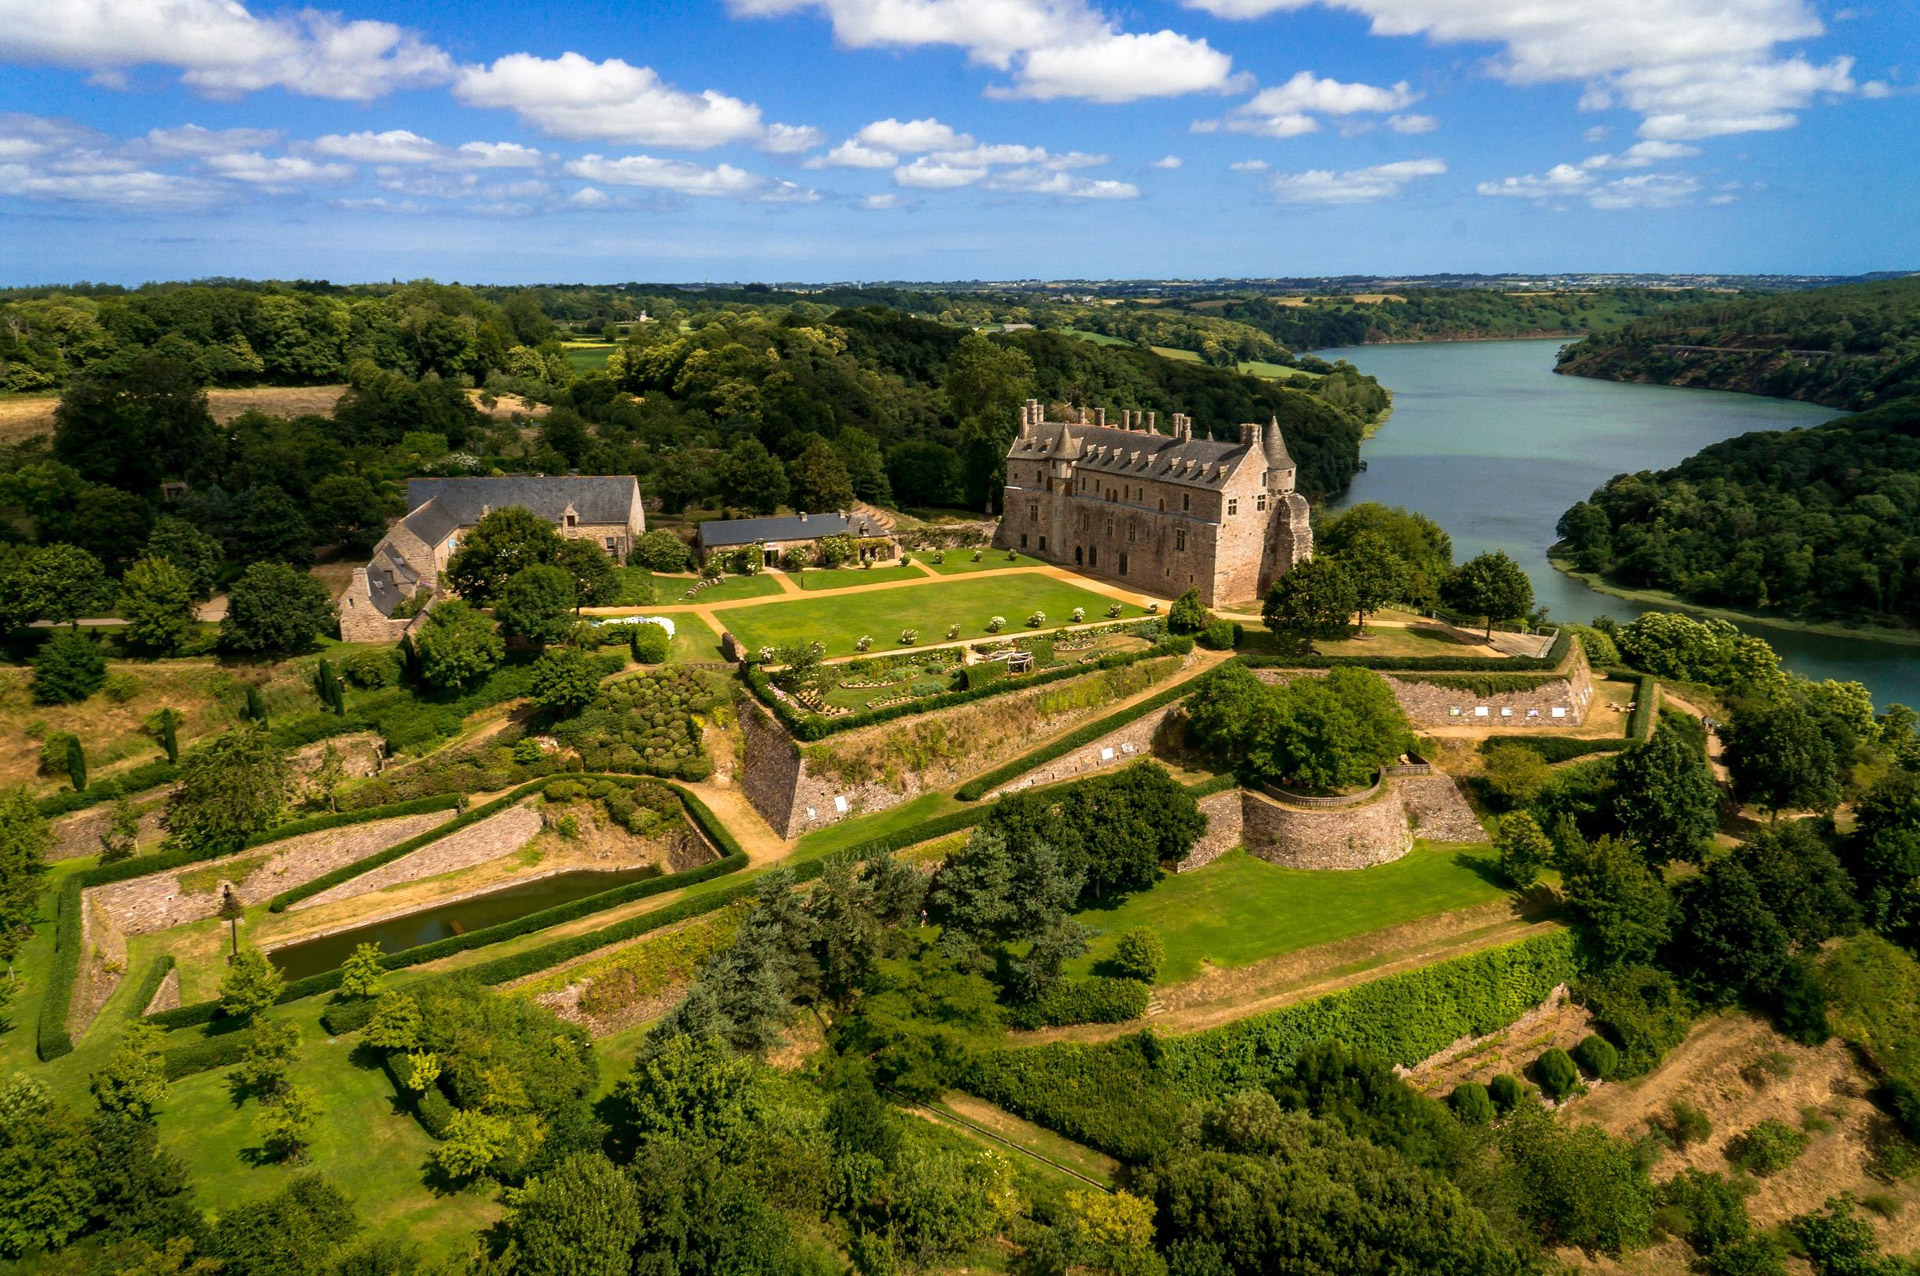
(1488, 442)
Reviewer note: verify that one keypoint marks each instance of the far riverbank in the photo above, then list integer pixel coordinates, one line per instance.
(1904, 635)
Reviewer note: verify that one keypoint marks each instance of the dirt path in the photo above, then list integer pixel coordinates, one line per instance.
(762, 845)
(1715, 748)
(1222, 996)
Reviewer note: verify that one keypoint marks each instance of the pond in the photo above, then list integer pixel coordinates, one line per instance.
(312, 956)
(1488, 442)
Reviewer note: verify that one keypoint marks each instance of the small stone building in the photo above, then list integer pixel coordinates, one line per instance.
(779, 533)
(403, 577)
(1163, 512)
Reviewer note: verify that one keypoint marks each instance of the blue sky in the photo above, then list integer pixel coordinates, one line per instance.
(938, 139)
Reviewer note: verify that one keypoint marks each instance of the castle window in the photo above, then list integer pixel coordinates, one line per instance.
(1260, 503)
(1043, 542)
(1163, 505)
(573, 520)
(1132, 530)
(1180, 538)
(1033, 512)
(1083, 520)
(1186, 500)
(1233, 507)
(1023, 540)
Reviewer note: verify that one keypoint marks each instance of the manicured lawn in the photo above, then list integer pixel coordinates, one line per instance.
(1238, 910)
(373, 1151)
(851, 577)
(931, 607)
(864, 829)
(672, 589)
(960, 561)
(693, 639)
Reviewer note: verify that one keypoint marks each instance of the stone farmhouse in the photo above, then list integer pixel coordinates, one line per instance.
(777, 534)
(1164, 512)
(389, 594)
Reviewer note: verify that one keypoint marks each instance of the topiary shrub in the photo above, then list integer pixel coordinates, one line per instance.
(1505, 1091)
(1597, 1057)
(650, 644)
(1471, 1103)
(1138, 954)
(1220, 634)
(1188, 615)
(1555, 1074)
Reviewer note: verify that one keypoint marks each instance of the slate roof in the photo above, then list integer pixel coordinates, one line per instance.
(781, 527)
(1204, 463)
(595, 498)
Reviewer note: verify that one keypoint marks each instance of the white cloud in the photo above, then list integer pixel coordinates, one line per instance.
(589, 197)
(1009, 153)
(851, 154)
(929, 174)
(23, 136)
(891, 200)
(496, 155)
(1048, 181)
(1118, 66)
(679, 176)
(1691, 68)
(1646, 190)
(1250, 166)
(1053, 48)
(1353, 186)
(396, 146)
(791, 139)
(912, 137)
(140, 191)
(1642, 155)
(576, 98)
(1576, 181)
(221, 48)
(191, 139)
(1166, 161)
(1561, 179)
(1292, 109)
(276, 172)
(1412, 124)
(1598, 133)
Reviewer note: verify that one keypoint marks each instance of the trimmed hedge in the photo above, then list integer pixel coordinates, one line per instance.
(1640, 724)
(50, 1035)
(430, 1107)
(149, 984)
(1094, 1000)
(138, 779)
(1127, 1097)
(1555, 748)
(978, 787)
(348, 1016)
(204, 1054)
(809, 727)
(1549, 663)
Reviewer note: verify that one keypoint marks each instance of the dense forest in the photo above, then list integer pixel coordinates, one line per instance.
(1822, 522)
(1853, 346)
(1443, 314)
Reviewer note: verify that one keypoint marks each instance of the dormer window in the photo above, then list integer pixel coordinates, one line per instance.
(573, 520)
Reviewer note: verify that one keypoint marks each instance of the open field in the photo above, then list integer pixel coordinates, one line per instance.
(30, 415)
(671, 589)
(1169, 352)
(853, 577)
(588, 356)
(693, 639)
(932, 607)
(1239, 910)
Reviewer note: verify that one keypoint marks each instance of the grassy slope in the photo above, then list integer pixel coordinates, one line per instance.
(1239, 910)
(930, 607)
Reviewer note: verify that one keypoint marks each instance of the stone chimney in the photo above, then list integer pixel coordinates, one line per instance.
(1100, 417)
(1153, 423)
(1250, 434)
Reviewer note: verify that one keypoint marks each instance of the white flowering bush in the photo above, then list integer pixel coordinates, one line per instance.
(995, 625)
(953, 631)
(978, 554)
(864, 643)
(1113, 612)
(1079, 614)
(1036, 620)
(909, 636)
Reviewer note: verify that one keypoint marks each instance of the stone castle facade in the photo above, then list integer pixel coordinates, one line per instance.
(1162, 512)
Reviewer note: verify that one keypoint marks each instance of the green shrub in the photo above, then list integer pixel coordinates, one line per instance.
(204, 1054)
(1597, 1057)
(156, 974)
(1506, 1091)
(650, 644)
(1553, 748)
(984, 674)
(1555, 1074)
(1767, 1148)
(69, 667)
(1641, 1010)
(1072, 1001)
(55, 750)
(1221, 634)
(1471, 1103)
(121, 686)
(1640, 722)
(1188, 615)
(372, 668)
(1686, 1125)
(1137, 954)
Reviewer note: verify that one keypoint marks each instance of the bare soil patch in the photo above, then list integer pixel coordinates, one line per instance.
(1555, 1022)
(1720, 1069)
(32, 415)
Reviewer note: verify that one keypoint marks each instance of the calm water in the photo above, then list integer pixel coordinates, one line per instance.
(1489, 443)
(414, 929)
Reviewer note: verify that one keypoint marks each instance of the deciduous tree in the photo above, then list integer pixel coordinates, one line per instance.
(1489, 585)
(1314, 600)
(537, 605)
(456, 645)
(157, 601)
(274, 608)
(230, 788)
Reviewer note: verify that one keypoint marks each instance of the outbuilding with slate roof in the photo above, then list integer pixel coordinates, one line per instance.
(1163, 512)
(401, 581)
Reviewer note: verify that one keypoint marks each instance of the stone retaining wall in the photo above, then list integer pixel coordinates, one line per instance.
(157, 901)
(1553, 701)
(1134, 740)
(500, 834)
(1375, 832)
(80, 833)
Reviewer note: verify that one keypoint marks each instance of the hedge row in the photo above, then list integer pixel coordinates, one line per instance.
(1640, 724)
(138, 779)
(204, 1054)
(1549, 663)
(149, 984)
(1556, 748)
(812, 726)
(431, 1107)
(1127, 1097)
(1483, 684)
(1095, 1000)
(340, 819)
(978, 787)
